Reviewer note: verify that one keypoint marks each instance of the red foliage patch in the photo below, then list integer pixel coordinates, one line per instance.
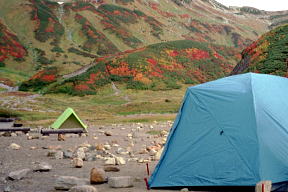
(81, 87)
(183, 16)
(216, 55)
(151, 61)
(48, 78)
(197, 54)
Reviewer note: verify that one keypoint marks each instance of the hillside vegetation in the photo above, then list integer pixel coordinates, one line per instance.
(269, 54)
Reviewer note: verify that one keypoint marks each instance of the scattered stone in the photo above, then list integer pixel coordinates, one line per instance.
(185, 189)
(51, 153)
(13, 134)
(67, 154)
(61, 137)
(83, 188)
(7, 189)
(6, 134)
(97, 176)
(58, 155)
(20, 174)
(120, 161)
(77, 162)
(33, 148)
(67, 182)
(53, 147)
(267, 186)
(108, 133)
(120, 182)
(115, 145)
(100, 147)
(90, 157)
(14, 146)
(107, 147)
(158, 154)
(43, 166)
(129, 135)
(80, 153)
(111, 169)
(110, 161)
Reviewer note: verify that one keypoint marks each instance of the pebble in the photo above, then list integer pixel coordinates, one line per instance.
(110, 161)
(14, 146)
(83, 188)
(108, 133)
(77, 162)
(120, 161)
(43, 166)
(19, 174)
(111, 169)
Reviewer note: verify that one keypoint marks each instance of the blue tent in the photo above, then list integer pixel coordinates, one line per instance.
(228, 132)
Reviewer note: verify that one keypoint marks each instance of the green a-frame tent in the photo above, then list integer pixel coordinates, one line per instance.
(68, 119)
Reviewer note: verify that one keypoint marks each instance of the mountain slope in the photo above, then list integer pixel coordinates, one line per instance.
(69, 37)
(158, 67)
(269, 54)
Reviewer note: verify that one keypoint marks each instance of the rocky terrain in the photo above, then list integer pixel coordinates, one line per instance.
(33, 162)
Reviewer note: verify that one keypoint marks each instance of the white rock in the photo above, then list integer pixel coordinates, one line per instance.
(185, 189)
(120, 182)
(17, 175)
(59, 155)
(120, 161)
(43, 166)
(158, 154)
(67, 182)
(110, 161)
(83, 188)
(107, 147)
(77, 162)
(14, 146)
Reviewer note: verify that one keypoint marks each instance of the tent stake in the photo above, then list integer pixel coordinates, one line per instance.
(147, 168)
(146, 181)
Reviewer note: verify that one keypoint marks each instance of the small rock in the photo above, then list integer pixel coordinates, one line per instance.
(90, 157)
(185, 189)
(58, 155)
(97, 176)
(61, 137)
(14, 146)
(111, 169)
(53, 147)
(108, 133)
(43, 166)
(107, 147)
(17, 175)
(33, 148)
(158, 154)
(7, 189)
(6, 134)
(80, 153)
(100, 147)
(51, 153)
(13, 134)
(77, 162)
(110, 161)
(67, 182)
(83, 188)
(120, 161)
(67, 154)
(120, 182)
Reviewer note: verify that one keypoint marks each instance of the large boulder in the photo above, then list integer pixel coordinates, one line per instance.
(19, 174)
(97, 176)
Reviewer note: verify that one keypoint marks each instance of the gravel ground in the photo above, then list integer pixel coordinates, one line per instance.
(33, 151)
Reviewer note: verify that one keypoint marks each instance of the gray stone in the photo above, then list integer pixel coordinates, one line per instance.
(7, 189)
(90, 157)
(59, 155)
(120, 182)
(83, 188)
(158, 154)
(67, 154)
(110, 161)
(267, 186)
(43, 166)
(79, 154)
(185, 189)
(20, 174)
(67, 182)
(120, 161)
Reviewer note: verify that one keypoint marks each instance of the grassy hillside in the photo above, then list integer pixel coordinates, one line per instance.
(267, 55)
(160, 66)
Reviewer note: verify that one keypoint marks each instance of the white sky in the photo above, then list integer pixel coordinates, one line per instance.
(268, 5)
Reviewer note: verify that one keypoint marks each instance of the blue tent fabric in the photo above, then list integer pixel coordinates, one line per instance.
(229, 132)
